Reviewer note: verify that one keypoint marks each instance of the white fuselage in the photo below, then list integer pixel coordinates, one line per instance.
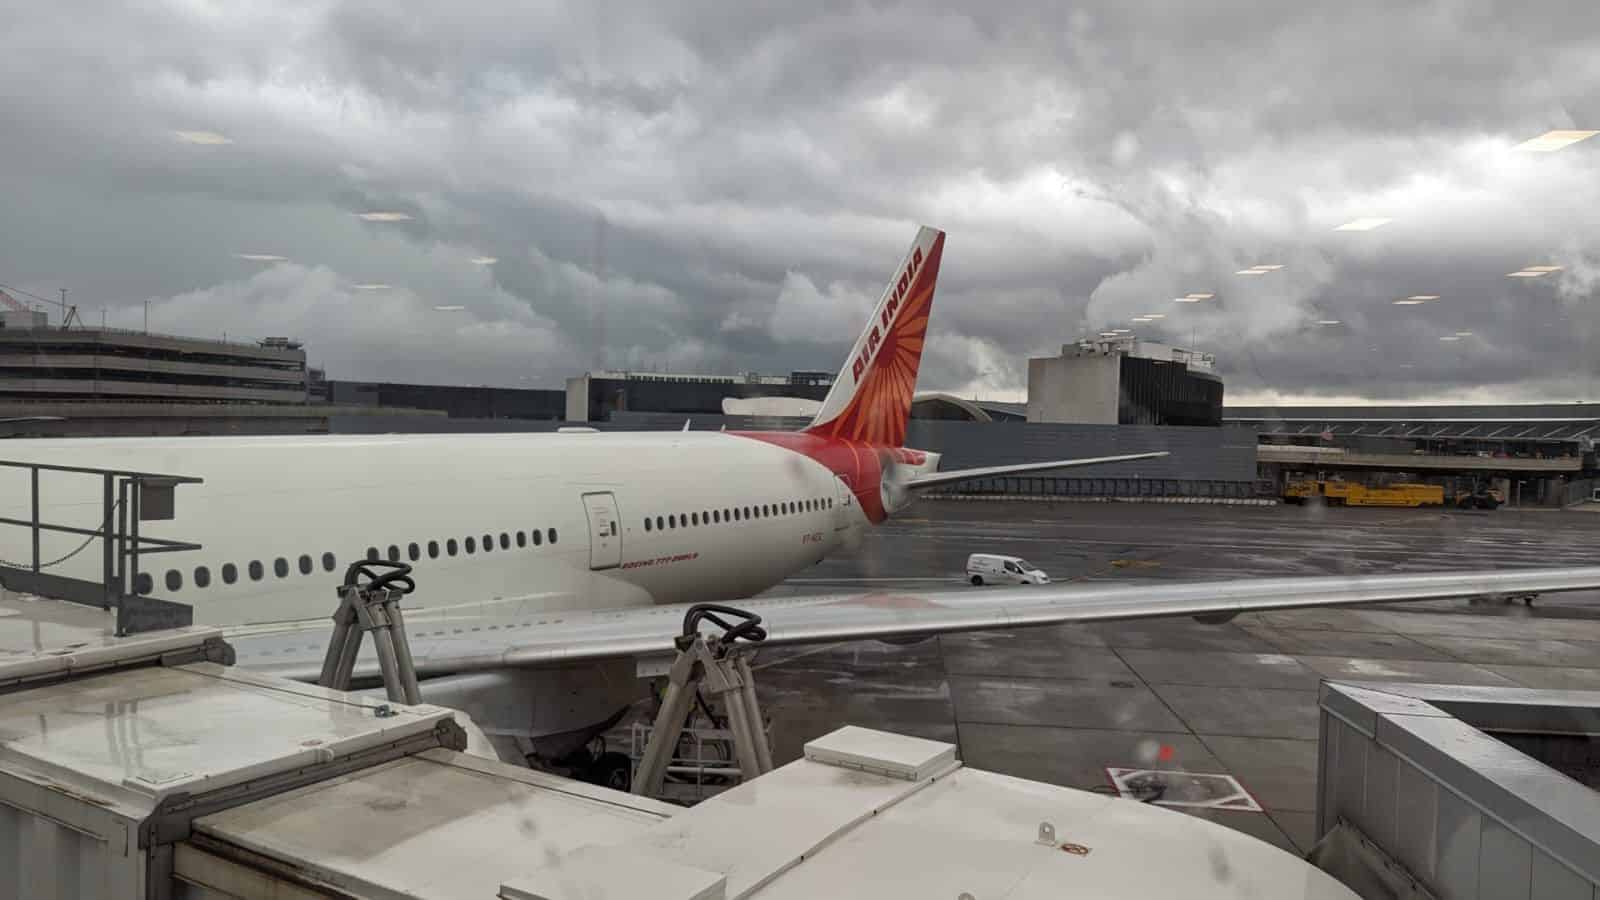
(272, 507)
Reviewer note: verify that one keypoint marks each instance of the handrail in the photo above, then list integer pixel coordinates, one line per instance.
(123, 497)
(89, 470)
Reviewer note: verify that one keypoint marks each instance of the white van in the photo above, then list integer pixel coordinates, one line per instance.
(990, 568)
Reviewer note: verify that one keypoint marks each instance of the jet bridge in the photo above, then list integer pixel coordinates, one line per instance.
(145, 767)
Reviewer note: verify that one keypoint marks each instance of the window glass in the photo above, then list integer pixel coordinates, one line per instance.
(433, 549)
(143, 583)
(372, 553)
(394, 553)
(672, 521)
(646, 523)
(658, 523)
(230, 573)
(537, 537)
(174, 580)
(329, 563)
(413, 552)
(470, 544)
(306, 566)
(552, 533)
(256, 570)
(202, 577)
(280, 567)
(450, 546)
(522, 539)
(505, 541)
(488, 543)
(694, 518)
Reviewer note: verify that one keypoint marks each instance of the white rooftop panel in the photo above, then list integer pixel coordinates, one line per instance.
(135, 736)
(443, 825)
(29, 625)
(977, 833)
(883, 753)
(756, 831)
(602, 872)
(812, 829)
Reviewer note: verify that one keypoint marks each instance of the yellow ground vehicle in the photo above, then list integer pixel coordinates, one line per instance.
(1352, 493)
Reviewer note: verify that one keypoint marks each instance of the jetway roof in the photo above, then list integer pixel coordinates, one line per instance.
(865, 814)
(262, 786)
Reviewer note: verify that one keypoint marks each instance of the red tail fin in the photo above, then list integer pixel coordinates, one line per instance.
(871, 399)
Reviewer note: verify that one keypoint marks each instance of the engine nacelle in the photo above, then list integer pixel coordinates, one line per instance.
(892, 492)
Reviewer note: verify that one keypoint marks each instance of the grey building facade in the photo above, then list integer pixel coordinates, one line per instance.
(1124, 382)
(53, 365)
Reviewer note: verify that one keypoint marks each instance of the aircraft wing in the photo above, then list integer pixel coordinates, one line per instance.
(552, 638)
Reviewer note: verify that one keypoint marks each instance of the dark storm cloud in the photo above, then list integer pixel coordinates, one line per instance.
(724, 186)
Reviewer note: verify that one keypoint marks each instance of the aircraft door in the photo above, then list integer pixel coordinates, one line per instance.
(843, 502)
(605, 530)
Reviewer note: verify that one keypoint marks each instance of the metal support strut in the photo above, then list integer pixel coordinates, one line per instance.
(718, 666)
(373, 606)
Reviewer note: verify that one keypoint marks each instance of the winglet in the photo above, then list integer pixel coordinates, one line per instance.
(870, 400)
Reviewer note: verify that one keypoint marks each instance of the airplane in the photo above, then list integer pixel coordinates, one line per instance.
(549, 564)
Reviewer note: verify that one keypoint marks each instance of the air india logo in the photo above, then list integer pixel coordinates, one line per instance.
(886, 320)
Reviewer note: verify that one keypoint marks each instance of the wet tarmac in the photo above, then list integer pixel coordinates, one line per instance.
(1062, 704)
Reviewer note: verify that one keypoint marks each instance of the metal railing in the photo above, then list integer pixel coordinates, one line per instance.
(1045, 486)
(247, 342)
(127, 498)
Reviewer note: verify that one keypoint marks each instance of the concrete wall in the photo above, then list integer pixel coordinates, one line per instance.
(1467, 816)
(1077, 389)
(458, 401)
(578, 399)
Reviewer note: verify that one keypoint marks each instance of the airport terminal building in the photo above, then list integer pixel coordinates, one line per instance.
(1098, 397)
(1125, 381)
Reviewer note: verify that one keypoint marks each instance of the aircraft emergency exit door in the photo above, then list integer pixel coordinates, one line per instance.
(605, 532)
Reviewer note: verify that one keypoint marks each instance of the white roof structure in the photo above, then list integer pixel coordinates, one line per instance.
(124, 760)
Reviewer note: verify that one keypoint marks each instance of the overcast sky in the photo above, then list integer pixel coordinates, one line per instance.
(698, 186)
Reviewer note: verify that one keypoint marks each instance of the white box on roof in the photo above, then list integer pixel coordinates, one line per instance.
(882, 753)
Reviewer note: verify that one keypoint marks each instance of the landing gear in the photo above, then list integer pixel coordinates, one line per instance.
(593, 764)
(612, 770)
(718, 667)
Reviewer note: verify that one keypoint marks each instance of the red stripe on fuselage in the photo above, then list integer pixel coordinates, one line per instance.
(860, 465)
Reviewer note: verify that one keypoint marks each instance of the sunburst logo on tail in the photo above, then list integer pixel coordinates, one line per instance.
(870, 401)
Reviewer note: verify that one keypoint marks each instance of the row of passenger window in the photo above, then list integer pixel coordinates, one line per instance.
(735, 514)
(145, 584)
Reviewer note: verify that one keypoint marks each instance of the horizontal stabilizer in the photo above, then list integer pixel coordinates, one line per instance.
(937, 478)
